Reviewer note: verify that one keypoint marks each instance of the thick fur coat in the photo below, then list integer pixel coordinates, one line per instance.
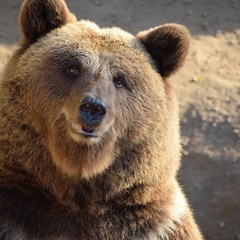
(89, 131)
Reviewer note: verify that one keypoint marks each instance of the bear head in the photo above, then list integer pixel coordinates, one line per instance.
(92, 93)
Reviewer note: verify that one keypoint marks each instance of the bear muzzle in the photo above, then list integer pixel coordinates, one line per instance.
(91, 113)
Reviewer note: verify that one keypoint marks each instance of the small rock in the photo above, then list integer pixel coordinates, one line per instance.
(214, 124)
(232, 42)
(236, 131)
(197, 79)
(221, 224)
(185, 152)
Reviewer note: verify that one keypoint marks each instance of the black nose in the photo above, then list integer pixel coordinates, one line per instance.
(92, 110)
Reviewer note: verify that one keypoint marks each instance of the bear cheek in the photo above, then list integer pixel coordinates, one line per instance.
(144, 113)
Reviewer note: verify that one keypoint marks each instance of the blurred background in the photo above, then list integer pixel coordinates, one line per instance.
(208, 89)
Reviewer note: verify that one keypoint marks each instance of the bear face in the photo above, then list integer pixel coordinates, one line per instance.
(86, 90)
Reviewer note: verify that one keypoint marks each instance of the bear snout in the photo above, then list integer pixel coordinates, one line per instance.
(92, 110)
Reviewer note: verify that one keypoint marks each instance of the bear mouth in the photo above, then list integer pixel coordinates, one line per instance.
(85, 131)
(89, 132)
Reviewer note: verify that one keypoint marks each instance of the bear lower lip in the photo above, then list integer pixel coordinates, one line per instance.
(88, 132)
(85, 131)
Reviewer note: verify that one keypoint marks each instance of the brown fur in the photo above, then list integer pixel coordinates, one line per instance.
(55, 183)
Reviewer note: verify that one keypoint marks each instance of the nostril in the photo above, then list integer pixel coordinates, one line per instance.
(100, 110)
(86, 107)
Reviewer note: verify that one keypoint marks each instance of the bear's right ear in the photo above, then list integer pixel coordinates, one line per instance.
(168, 46)
(38, 17)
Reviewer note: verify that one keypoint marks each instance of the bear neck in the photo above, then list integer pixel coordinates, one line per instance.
(135, 166)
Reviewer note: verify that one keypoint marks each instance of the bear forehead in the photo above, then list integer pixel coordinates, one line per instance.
(87, 37)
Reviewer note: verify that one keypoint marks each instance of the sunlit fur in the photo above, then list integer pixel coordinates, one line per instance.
(56, 182)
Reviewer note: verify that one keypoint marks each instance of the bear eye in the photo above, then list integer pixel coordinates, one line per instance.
(119, 81)
(73, 69)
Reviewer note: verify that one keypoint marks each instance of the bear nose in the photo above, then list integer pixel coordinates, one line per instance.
(92, 110)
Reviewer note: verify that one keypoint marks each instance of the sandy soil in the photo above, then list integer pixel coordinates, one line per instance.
(208, 89)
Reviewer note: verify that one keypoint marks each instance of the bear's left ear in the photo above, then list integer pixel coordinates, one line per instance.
(38, 17)
(168, 46)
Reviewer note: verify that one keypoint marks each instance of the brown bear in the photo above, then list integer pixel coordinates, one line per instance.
(89, 131)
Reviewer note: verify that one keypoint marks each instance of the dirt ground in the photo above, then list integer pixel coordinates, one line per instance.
(208, 89)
